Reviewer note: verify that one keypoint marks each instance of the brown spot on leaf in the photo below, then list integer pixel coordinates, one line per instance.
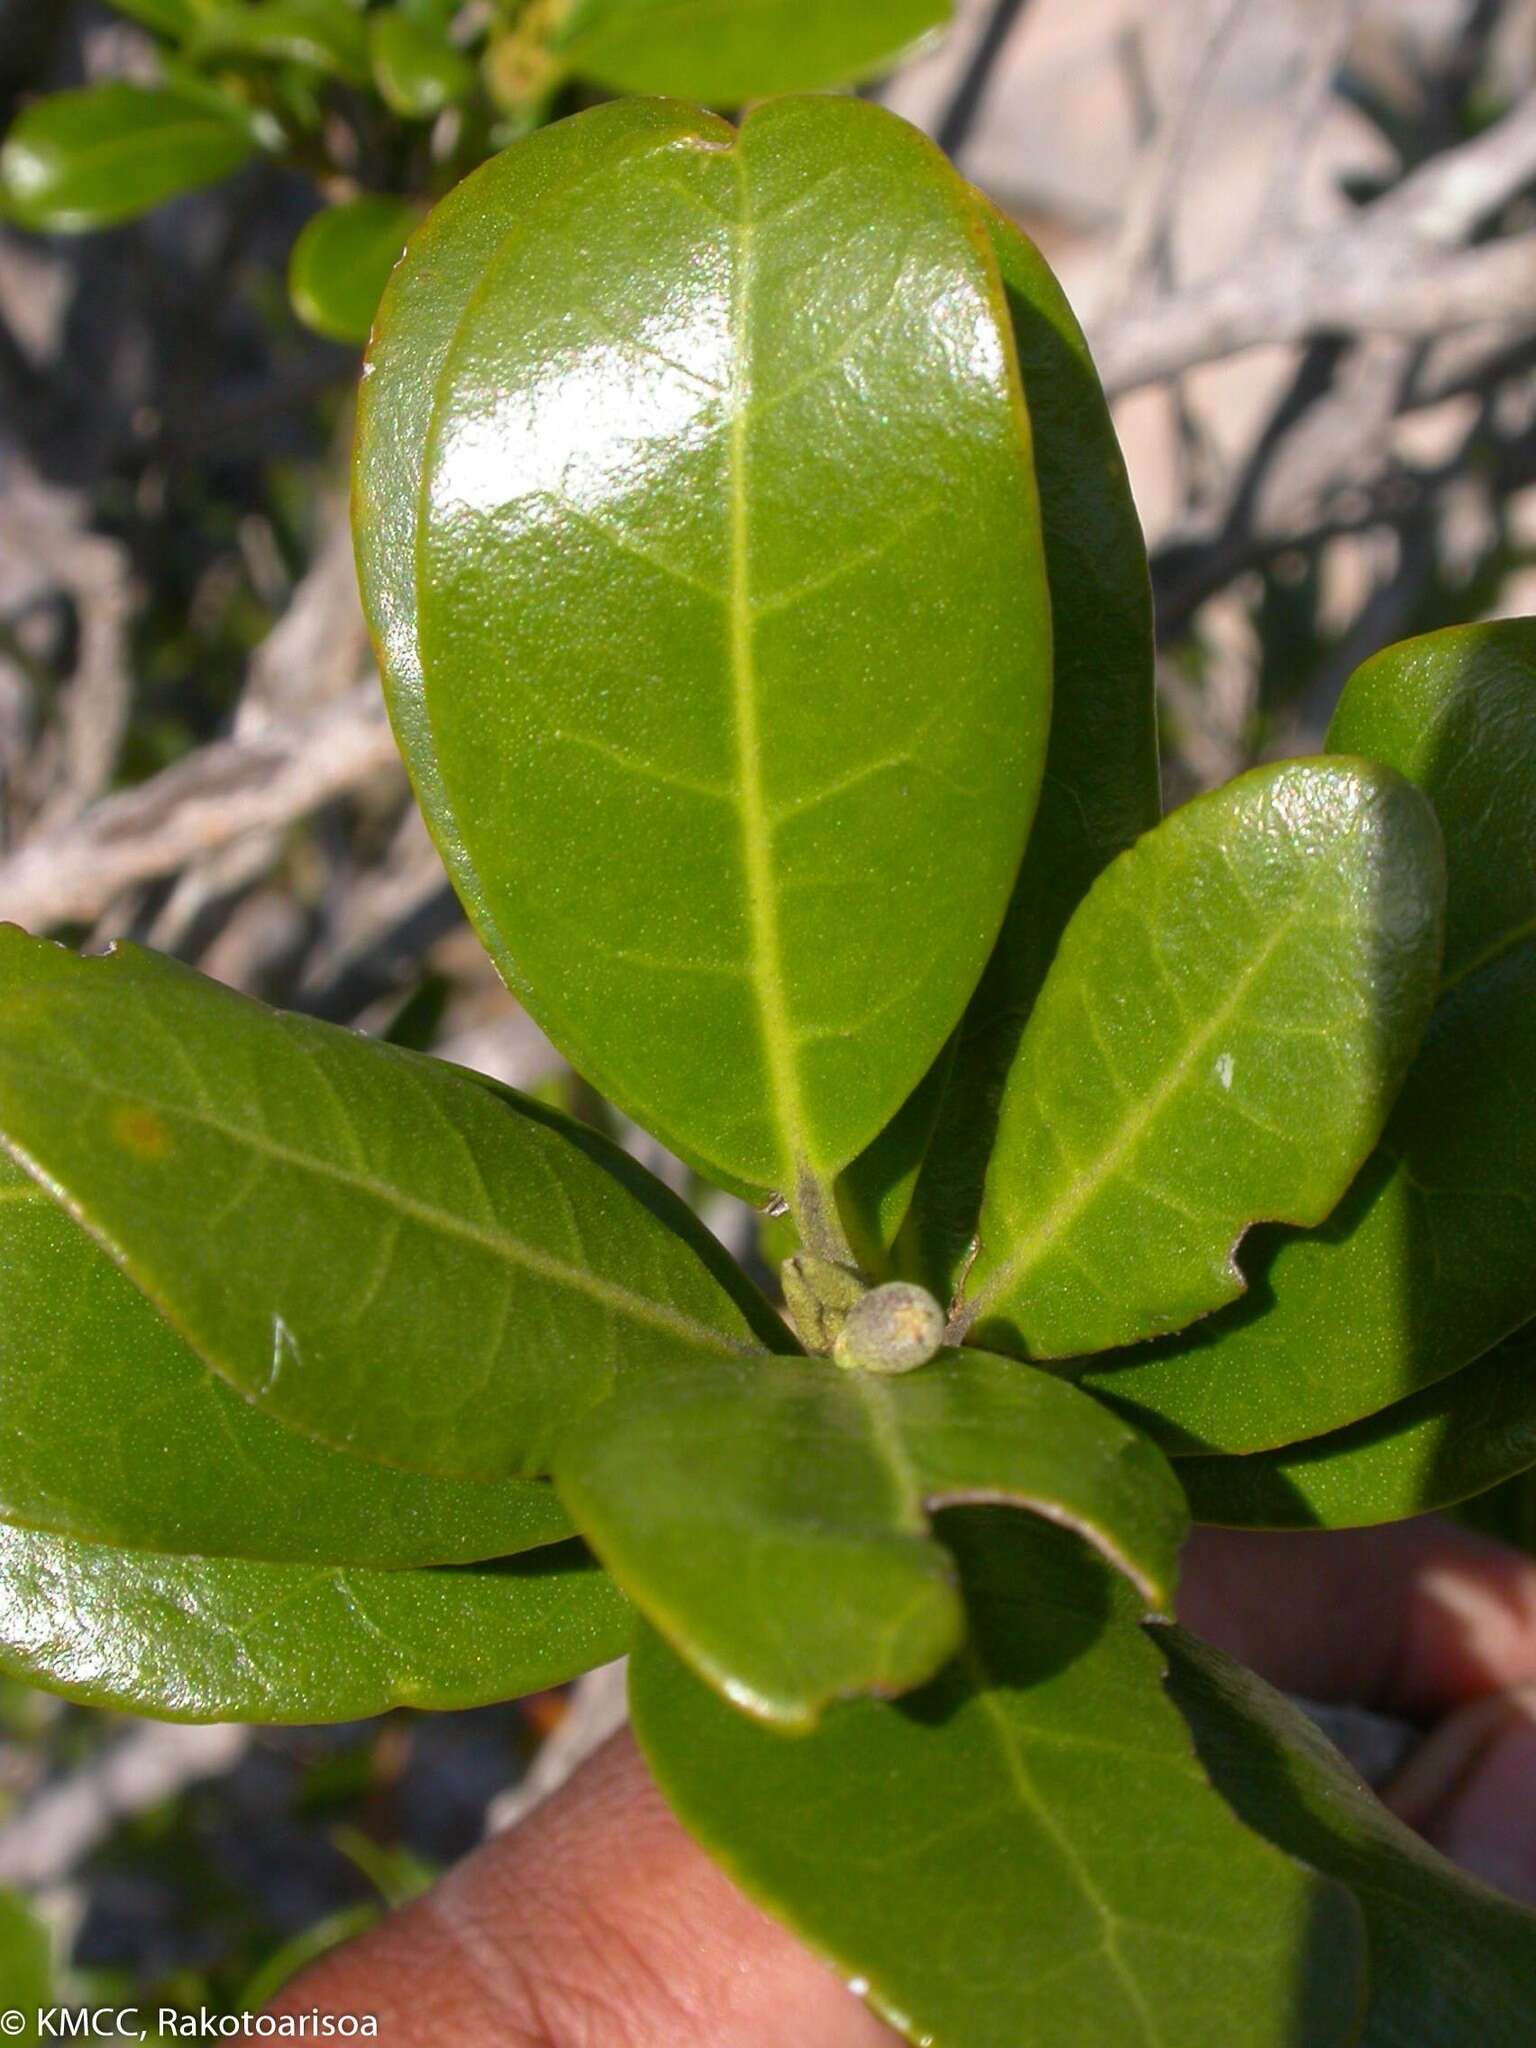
(140, 1131)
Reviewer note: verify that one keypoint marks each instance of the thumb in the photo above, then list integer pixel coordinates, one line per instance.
(596, 1922)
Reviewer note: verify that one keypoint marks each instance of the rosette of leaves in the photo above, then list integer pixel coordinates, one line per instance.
(386, 104)
(766, 628)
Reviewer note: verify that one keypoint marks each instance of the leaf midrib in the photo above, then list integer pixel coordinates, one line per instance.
(1136, 1126)
(984, 1693)
(767, 959)
(500, 1243)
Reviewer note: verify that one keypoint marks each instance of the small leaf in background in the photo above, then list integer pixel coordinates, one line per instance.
(1219, 1039)
(327, 35)
(771, 1518)
(1026, 1854)
(372, 1247)
(1100, 791)
(173, 18)
(724, 52)
(26, 1967)
(1431, 1257)
(341, 264)
(221, 1639)
(416, 68)
(1449, 1442)
(89, 159)
(748, 907)
(1451, 1961)
(113, 1431)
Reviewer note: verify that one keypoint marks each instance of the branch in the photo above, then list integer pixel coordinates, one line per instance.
(1396, 268)
(260, 782)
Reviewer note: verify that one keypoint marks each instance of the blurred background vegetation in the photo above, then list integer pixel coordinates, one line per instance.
(1301, 236)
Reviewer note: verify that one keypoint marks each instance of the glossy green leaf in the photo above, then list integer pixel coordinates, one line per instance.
(1442, 1445)
(112, 1431)
(1100, 791)
(1431, 1258)
(1218, 1041)
(89, 159)
(326, 35)
(1025, 1854)
(374, 1248)
(417, 70)
(771, 1518)
(26, 1967)
(725, 52)
(1451, 1962)
(619, 523)
(342, 260)
(220, 1639)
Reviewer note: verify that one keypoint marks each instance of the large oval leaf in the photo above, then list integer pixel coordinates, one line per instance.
(1025, 1854)
(1451, 1962)
(772, 1518)
(1220, 1036)
(1431, 1259)
(708, 583)
(1100, 790)
(1444, 1444)
(725, 52)
(371, 1246)
(113, 1431)
(218, 1639)
(342, 260)
(89, 159)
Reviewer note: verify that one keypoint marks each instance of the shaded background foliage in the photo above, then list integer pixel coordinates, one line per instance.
(1301, 235)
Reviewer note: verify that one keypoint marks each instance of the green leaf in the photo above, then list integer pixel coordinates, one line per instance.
(1445, 1444)
(417, 70)
(372, 1247)
(1100, 791)
(1456, 713)
(766, 431)
(341, 264)
(1026, 1854)
(1218, 1041)
(724, 52)
(719, 1496)
(326, 35)
(174, 18)
(112, 1431)
(1451, 1962)
(90, 159)
(220, 1639)
(1431, 1258)
(26, 1966)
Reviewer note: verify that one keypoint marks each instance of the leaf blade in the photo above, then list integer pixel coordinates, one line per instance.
(1300, 907)
(107, 153)
(1055, 1715)
(813, 1486)
(112, 1431)
(341, 263)
(1448, 1443)
(1431, 1258)
(808, 999)
(724, 52)
(221, 1639)
(441, 1207)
